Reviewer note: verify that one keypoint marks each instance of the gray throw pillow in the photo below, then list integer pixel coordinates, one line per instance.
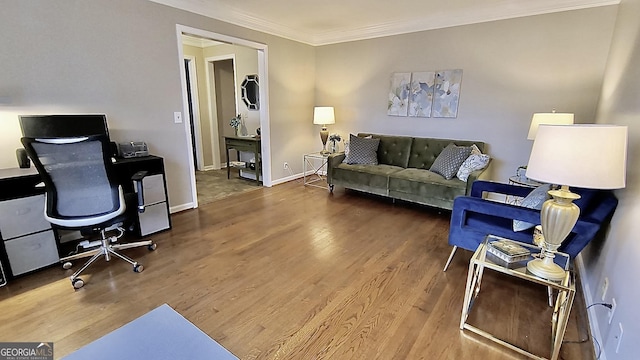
(472, 163)
(449, 160)
(363, 150)
(534, 200)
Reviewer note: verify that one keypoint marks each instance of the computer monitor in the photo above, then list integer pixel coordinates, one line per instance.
(54, 126)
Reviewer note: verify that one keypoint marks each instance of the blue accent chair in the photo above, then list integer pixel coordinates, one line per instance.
(474, 217)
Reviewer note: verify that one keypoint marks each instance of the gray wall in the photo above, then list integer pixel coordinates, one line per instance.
(617, 257)
(120, 57)
(512, 68)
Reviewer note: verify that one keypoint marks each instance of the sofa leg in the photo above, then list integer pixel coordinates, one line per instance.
(453, 252)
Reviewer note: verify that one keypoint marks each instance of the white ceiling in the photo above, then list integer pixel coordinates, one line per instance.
(332, 21)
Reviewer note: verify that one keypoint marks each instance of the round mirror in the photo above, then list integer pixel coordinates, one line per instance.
(250, 92)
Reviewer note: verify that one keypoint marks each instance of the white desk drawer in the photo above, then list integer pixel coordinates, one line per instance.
(154, 218)
(32, 252)
(153, 189)
(22, 216)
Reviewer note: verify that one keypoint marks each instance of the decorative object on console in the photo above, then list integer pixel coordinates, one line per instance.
(324, 115)
(236, 123)
(560, 157)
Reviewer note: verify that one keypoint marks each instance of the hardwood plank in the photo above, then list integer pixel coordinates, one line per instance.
(294, 273)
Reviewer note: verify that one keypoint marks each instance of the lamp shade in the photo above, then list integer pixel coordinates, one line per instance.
(323, 115)
(585, 155)
(552, 118)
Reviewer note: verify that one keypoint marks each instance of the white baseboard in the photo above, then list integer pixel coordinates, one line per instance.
(182, 207)
(286, 179)
(591, 312)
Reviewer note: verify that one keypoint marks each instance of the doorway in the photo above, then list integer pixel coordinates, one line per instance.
(206, 150)
(222, 76)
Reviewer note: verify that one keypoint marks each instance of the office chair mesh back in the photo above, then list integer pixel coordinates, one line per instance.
(79, 185)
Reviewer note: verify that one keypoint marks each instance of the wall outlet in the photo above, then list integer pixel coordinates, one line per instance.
(612, 310)
(286, 165)
(177, 117)
(618, 337)
(604, 288)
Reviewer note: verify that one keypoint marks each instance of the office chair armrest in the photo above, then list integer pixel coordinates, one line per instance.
(137, 178)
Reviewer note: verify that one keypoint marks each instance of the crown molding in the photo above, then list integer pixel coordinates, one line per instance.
(498, 11)
(199, 42)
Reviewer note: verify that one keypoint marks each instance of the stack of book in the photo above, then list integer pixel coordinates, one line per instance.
(508, 251)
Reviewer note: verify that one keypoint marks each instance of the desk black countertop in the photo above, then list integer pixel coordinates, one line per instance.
(17, 172)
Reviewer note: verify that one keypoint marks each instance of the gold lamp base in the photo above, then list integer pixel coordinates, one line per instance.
(324, 135)
(546, 268)
(558, 216)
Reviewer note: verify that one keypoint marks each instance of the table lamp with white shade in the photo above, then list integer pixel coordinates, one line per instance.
(552, 118)
(585, 155)
(324, 115)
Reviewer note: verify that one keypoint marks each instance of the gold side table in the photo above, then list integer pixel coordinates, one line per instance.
(314, 169)
(565, 288)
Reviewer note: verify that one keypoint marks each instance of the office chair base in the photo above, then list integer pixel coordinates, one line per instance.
(106, 250)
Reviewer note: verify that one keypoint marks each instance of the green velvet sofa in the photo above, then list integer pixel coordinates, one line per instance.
(403, 171)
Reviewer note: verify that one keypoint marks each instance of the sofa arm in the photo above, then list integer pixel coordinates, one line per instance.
(332, 161)
(463, 204)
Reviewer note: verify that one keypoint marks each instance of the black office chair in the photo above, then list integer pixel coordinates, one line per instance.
(81, 194)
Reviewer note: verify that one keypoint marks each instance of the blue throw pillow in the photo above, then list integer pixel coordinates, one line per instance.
(534, 200)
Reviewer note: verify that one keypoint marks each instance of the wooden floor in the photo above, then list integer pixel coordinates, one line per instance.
(295, 273)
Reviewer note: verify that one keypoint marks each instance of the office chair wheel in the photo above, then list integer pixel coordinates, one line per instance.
(67, 265)
(152, 247)
(77, 283)
(138, 268)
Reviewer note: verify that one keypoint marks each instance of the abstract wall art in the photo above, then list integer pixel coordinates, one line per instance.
(399, 94)
(425, 94)
(421, 94)
(446, 93)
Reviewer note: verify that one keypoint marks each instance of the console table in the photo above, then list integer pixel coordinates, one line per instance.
(248, 144)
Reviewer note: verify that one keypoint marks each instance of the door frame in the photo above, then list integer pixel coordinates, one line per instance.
(193, 80)
(211, 93)
(263, 55)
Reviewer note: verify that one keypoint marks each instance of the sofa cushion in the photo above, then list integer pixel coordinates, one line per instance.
(393, 150)
(449, 160)
(367, 176)
(534, 200)
(363, 150)
(425, 183)
(425, 151)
